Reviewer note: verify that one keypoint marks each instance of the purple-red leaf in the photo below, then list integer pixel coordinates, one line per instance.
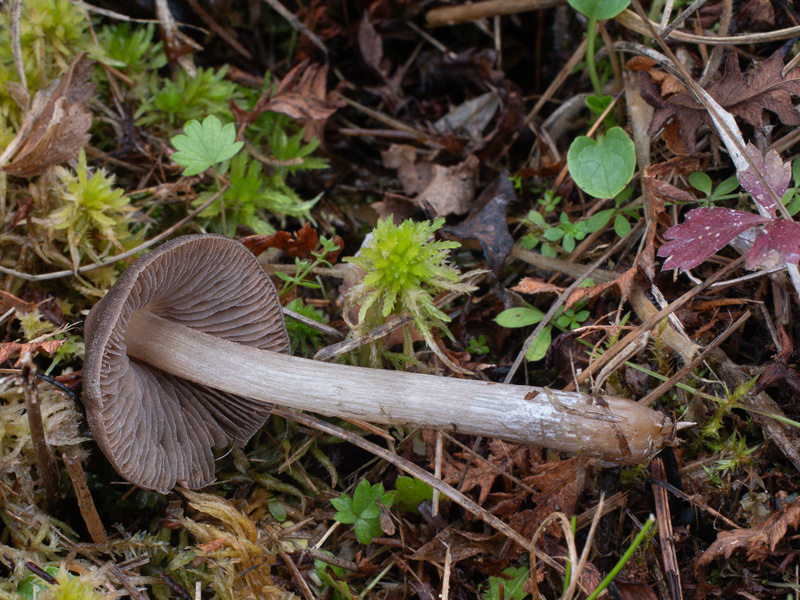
(705, 232)
(775, 172)
(779, 235)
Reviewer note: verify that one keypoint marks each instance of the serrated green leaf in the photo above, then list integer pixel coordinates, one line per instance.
(601, 9)
(603, 167)
(519, 317)
(205, 145)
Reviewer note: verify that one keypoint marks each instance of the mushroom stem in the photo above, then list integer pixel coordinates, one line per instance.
(616, 430)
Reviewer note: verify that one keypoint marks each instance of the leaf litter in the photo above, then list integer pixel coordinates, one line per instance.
(447, 121)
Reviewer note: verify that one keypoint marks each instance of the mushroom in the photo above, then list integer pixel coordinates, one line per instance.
(189, 352)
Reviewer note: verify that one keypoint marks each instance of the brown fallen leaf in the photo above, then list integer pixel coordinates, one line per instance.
(301, 94)
(57, 125)
(299, 244)
(487, 222)
(532, 285)
(760, 541)
(450, 190)
(9, 301)
(768, 89)
(462, 545)
(8, 349)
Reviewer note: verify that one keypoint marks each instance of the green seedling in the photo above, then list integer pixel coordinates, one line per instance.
(411, 493)
(566, 232)
(363, 510)
(478, 346)
(306, 267)
(596, 10)
(527, 315)
(513, 587)
(621, 215)
(598, 105)
(602, 167)
(791, 199)
(549, 201)
(205, 145)
(724, 191)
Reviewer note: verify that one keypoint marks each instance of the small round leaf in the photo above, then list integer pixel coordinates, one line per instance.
(603, 167)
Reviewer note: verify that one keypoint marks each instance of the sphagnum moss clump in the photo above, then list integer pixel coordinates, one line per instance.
(405, 269)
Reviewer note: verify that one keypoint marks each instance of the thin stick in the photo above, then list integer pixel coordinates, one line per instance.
(85, 503)
(44, 461)
(664, 33)
(461, 13)
(16, 46)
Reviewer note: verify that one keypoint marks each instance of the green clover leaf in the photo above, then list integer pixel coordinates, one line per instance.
(205, 145)
(603, 167)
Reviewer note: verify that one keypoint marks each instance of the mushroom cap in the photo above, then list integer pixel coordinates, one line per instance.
(156, 429)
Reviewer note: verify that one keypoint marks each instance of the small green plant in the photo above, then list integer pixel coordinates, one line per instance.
(791, 198)
(598, 105)
(513, 586)
(602, 167)
(596, 10)
(527, 315)
(187, 98)
(566, 232)
(733, 454)
(363, 510)
(205, 145)
(305, 267)
(621, 214)
(404, 268)
(478, 346)
(549, 201)
(724, 191)
(134, 48)
(93, 211)
(302, 337)
(410, 494)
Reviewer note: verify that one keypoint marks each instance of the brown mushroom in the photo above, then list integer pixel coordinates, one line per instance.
(189, 351)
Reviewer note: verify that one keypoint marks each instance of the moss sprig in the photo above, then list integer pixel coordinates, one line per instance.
(405, 268)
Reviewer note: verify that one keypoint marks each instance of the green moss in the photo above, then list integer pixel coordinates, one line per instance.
(404, 269)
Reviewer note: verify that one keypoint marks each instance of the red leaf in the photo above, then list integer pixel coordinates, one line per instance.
(775, 172)
(779, 235)
(705, 232)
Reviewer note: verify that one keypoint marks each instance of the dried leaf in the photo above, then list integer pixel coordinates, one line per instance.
(532, 285)
(487, 222)
(760, 541)
(623, 282)
(462, 545)
(299, 244)
(57, 125)
(769, 89)
(452, 189)
(7, 349)
(704, 232)
(9, 301)
(301, 95)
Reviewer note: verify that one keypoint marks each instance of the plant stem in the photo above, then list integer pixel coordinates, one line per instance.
(614, 429)
(591, 35)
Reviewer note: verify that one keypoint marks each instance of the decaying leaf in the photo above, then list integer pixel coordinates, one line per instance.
(775, 172)
(704, 232)
(487, 222)
(779, 235)
(533, 285)
(301, 94)
(450, 190)
(57, 125)
(760, 541)
(769, 89)
(299, 244)
(462, 545)
(8, 349)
